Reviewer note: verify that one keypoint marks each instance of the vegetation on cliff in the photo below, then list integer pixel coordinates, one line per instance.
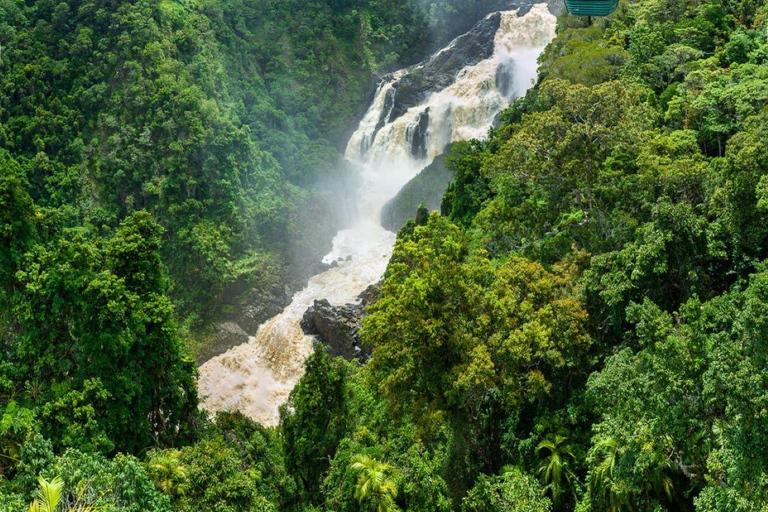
(583, 328)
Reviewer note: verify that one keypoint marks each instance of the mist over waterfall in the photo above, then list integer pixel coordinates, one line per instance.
(415, 113)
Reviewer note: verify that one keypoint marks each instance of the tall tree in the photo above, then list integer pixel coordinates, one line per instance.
(554, 469)
(374, 483)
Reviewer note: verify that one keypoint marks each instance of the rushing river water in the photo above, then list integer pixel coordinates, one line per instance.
(256, 377)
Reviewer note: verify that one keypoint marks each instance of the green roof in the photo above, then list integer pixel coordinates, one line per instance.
(591, 7)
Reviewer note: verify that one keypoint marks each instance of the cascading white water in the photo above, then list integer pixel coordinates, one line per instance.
(256, 377)
(465, 109)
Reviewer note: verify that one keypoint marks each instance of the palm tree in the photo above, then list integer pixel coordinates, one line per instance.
(373, 484)
(615, 491)
(48, 496)
(554, 472)
(659, 478)
(169, 475)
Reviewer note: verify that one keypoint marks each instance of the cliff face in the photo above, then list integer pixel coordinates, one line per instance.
(427, 187)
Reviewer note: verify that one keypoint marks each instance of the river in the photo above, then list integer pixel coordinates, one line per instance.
(257, 376)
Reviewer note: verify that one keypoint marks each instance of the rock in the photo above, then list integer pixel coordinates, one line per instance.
(505, 79)
(417, 134)
(262, 306)
(337, 327)
(439, 70)
(228, 335)
(231, 333)
(369, 295)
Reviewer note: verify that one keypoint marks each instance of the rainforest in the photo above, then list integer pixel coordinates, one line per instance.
(383, 255)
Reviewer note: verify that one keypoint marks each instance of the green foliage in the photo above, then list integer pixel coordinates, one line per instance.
(669, 410)
(547, 179)
(17, 425)
(468, 191)
(11, 502)
(260, 448)
(503, 328)
(582, 56)
(461, 341)
(89, 483)
(96, 341)
(219, 479)
(512, 491)
(237, 466)
(591, 310)
(374, 487)
(18, 228)
(48, 496)
(168, 474)
(315, 419)
(554, 469)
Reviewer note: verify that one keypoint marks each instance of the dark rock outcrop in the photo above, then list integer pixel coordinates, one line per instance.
(417, 134)
(338, 326)
(261, 308)
(231, 333)
(227, 335)
(505, 79)
(369, 295)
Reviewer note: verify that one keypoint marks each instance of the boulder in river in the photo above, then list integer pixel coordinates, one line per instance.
(338, 327)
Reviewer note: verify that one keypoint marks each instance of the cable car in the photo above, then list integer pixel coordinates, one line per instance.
(591, 7)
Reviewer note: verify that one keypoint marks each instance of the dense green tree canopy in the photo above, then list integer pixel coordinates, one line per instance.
(583, 328)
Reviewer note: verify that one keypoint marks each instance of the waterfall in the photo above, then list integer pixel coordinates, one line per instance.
(465, 109)
(257, 376)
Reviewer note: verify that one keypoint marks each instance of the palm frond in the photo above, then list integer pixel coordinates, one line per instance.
(49, 493)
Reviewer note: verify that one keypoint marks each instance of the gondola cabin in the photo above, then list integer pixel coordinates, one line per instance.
(591, 7)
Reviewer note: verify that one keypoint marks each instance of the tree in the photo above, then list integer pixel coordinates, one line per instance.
(469, 189)
(48, 495)
(614, 491)
(449, 326)
(582, 56)
(17, 228)
(463, 342)
(49, 498)
(374, 485)
(554, 470)
(512, 491)
(93, 325)
(219, 478)
(169, 474)
(550, 185)
(314, 419)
